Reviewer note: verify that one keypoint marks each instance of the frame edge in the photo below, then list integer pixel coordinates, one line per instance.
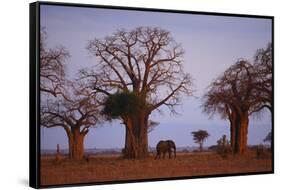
(34, 179)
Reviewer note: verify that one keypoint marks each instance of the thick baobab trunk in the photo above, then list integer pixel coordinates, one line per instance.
(244, 128)
(130, 145)
(233, 126)
(142, 135)
(76, 145)
(242, 134)
(236, 139)
(239, 132)
(136, 143)
(236, 122)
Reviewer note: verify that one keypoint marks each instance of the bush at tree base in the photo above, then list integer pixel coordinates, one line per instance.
(223, 147)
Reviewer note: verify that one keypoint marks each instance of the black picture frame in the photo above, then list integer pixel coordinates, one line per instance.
(34, 92)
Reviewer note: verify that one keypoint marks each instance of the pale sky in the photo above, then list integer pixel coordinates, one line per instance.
(211, 44)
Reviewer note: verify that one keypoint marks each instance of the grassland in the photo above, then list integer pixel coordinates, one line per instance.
(113, 168)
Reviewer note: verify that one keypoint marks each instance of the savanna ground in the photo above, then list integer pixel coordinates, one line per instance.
(113, 168)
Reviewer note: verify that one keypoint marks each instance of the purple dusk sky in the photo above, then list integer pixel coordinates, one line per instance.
(211, 44)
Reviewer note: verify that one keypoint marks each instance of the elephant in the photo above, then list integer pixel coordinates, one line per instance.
(165, 146)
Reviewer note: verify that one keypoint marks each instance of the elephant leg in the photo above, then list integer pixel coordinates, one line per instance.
(169, 154)
(164, 153)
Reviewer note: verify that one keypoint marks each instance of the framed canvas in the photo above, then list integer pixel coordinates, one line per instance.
(121, 94)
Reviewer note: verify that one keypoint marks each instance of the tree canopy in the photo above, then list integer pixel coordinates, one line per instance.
(123, 104)
(52, 66)
(145, 61)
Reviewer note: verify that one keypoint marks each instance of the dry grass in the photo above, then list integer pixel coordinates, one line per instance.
(113, 168)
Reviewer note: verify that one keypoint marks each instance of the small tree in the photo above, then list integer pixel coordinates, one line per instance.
(199, 137)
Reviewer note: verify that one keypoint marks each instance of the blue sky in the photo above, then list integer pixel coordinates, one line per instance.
(211, 44)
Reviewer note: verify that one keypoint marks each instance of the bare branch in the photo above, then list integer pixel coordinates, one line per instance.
(145, 60)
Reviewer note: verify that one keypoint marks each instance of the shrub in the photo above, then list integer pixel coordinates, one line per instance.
(223, 147)
(124, 103)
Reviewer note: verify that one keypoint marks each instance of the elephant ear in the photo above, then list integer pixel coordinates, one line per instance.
(172, 144)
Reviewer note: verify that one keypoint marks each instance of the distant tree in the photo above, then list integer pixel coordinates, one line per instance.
(52, 67)
(143, 62)
(199, 137)
(76, 111)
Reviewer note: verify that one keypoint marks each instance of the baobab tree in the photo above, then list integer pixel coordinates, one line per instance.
(52, 66)
(199, 137)
(146, 62)
(235, 97)
(76, 111)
